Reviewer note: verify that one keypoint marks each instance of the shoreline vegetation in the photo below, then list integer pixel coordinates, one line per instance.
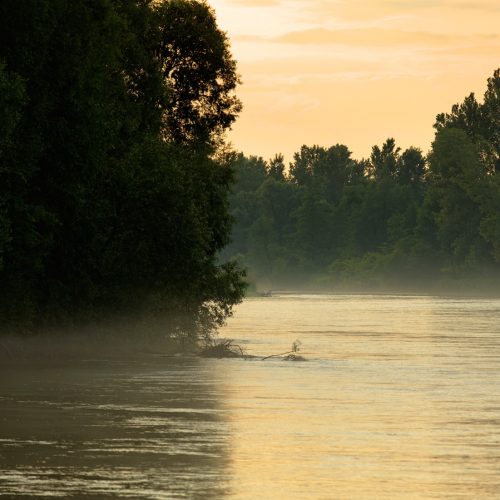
(114, 173)
(463, 290)
(133, 340)
(120, 196)
(59, 349)
(399, 220)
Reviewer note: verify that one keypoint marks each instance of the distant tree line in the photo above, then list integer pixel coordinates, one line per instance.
(113, 180)
(399, 219)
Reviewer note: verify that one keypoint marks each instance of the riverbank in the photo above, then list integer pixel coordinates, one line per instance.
(117, 339)
(458, 289)
(58, 349)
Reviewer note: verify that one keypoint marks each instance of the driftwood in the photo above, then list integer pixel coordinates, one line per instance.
(289, 355)
(286, 356)
(225, 348)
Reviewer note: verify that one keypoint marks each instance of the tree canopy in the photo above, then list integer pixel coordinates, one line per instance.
(399, 220)
(111, 196)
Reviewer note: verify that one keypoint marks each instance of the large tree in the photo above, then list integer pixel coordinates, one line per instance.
(108, 204)
(200, 72)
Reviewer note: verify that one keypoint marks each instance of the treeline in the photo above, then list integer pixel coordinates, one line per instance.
(399, 220)
(113, 190)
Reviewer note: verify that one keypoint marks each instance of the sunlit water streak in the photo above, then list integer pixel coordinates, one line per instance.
(399, 398)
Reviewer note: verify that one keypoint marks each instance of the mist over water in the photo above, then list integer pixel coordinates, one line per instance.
(399, 398)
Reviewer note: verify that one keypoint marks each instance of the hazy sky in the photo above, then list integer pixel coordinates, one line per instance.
(354, 71)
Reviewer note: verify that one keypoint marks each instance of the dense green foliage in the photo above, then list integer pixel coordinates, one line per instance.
(113, 197)
(398, 220)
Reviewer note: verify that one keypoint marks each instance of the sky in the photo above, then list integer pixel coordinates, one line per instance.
(354, 72)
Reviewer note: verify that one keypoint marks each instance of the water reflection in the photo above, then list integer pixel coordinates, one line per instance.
(399, 398)
(131, 431)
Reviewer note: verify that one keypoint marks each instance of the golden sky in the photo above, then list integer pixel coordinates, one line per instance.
(354, 71)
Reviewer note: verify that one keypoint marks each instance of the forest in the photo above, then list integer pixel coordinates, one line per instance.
(113, 179)
(397, 221)
(119, 194)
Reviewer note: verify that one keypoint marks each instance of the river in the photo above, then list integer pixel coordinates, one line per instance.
(399, 397)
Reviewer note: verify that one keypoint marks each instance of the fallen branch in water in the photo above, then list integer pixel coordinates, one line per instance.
(225, 348)
(289, 355)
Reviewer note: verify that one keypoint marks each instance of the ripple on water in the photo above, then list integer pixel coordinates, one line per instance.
(398, 399)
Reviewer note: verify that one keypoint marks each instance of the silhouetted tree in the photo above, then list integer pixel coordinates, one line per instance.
(199, 70)
(397, 219)
(111, 197)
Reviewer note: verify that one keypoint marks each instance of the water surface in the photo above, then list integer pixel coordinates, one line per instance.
(399, 398)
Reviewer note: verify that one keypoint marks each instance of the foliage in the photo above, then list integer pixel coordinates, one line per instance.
(199, 70)
(112, 198)
(398, 220)
(221, 348)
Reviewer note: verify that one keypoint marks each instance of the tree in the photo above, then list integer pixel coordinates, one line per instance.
(276, 168)
(301, 169)
(12, 101)
(332, 170)
(491, 113)
(270, 246)
(467, 116)
(490, 208)
(456, 176)
(411, 167)
(384, 160)
(313, 237)
(481, 122)
(199, 71)
(399, 218)
(105, 208)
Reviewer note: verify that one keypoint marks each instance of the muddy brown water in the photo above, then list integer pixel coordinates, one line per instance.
(399, 398)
